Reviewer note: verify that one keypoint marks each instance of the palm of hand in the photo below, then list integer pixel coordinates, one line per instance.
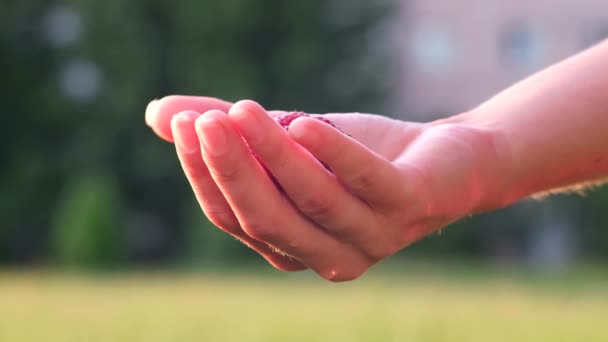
(447, 151)
(444, 164)
(437, 174)
(387, 137)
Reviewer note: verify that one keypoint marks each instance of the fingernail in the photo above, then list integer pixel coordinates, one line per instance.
(213, 136)
(151, 110)
(303, 134)
(249, 125)
(183, 132)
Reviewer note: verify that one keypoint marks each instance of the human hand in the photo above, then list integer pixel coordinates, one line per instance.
(392, 183)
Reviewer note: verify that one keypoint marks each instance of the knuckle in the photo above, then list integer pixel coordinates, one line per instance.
(316, 207)
(225, 175)
(361, 179)
(259, 231)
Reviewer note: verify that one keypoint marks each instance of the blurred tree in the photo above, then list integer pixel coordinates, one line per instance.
(592, 218)
(26, 151)
(77, 74)
(88, 225)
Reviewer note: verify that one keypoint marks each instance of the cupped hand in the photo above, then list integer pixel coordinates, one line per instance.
(391, 182)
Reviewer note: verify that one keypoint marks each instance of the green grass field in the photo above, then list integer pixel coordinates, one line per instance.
(448, 304)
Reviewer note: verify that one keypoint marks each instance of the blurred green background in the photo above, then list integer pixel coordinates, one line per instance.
(100, 236)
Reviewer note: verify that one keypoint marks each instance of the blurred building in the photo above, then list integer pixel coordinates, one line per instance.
(452, 55)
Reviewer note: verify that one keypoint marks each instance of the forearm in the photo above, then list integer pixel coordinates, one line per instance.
(552, 128)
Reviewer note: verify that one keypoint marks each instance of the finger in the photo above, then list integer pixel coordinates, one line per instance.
(209, 196)
(262, 211)
(312, 188)
(159, 112)
(366, 174)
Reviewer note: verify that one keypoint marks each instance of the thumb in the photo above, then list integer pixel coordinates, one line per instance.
(160, 112)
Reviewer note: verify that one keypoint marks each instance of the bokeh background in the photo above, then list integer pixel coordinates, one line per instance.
(100, 236)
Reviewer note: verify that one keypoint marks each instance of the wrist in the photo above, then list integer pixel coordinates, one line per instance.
(493, 166)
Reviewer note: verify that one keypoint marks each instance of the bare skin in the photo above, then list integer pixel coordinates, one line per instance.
(393, 182)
